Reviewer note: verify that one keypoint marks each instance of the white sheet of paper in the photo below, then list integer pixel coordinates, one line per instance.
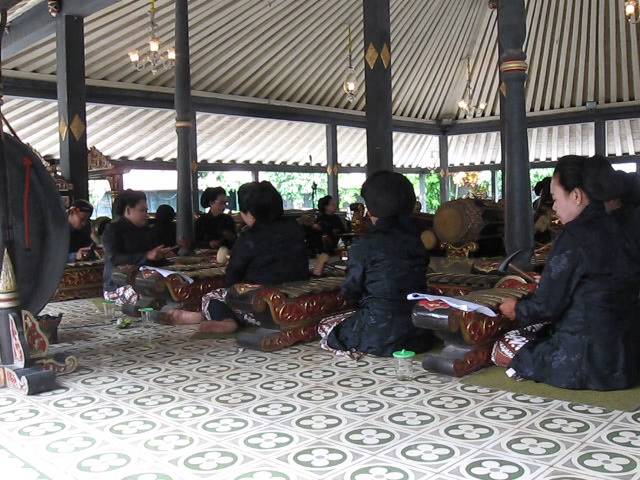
(166, 273)
(454, 303)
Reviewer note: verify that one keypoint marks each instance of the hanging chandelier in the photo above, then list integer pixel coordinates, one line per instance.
(632, 11)
(154, 61)
(350, 83)
(465, 103)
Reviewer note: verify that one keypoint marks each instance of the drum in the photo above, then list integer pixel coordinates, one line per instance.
(38, 222)
(471, 220)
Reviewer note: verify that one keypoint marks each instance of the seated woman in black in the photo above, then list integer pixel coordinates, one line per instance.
(164, 228)
(384, 266)
(215, 228)
(623, 202)
(328, 224)
(80, 231)
(129, 241)
(579, 329)
(270, 251)
(542, 211)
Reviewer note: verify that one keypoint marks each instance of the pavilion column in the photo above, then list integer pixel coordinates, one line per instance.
(377, 68)
(493, 5)
(255, 175)
(518, 212)
(193, 150)
(443, 144)
(600, 137)
(332, 161)
(72, 100)
(184, 127)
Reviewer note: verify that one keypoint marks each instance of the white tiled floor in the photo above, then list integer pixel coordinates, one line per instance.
(152, 405)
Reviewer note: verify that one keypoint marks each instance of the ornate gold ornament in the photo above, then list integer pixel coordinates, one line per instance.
(513, 66)
(63, 128)
(385, 55)
(77, 127)
(371, 56)
(8, 286)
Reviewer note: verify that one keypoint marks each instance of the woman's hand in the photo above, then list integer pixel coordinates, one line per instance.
(508, 308)
(158, 253)
(83, 253)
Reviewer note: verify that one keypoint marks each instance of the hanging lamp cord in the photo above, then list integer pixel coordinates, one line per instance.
(349, 37)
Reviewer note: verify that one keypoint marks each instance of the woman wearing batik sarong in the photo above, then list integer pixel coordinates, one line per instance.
(129, 241)
(579, 329)
(269, 252)
(384, 266)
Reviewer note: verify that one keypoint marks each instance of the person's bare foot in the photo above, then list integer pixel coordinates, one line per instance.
(184, 317)
(218, 326)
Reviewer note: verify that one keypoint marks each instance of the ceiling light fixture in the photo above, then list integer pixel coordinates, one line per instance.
(465, 103)
(632, 11)
(350, 83)
(154, 60)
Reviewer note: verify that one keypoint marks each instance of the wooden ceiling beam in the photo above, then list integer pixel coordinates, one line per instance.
(36, 24)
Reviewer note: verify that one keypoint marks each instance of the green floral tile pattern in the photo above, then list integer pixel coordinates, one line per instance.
(495, 469)
(160, 405)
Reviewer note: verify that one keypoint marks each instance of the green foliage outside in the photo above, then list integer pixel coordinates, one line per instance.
(431, 199)
(349, 185)
(227, 180)
(537, 174)
(432, 193)
(296, 188)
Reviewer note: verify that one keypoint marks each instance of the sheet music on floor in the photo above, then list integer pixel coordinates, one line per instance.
(454, 303)
(165, 273)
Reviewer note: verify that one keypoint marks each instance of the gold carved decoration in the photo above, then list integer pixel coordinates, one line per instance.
(8, 286)
(98, 161)
(371, 56)
(63, 129)
(385, 55)
(183, 124)
(462, 251)
(77, 127)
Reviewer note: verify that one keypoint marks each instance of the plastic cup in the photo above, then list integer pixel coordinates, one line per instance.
(109, 307)
(145, 318)
(146, 314)
(404, 364)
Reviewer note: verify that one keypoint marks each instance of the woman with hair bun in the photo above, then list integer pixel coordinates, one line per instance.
(215, 228)
(269, 252)
(384, 266)
(328, 225)
(622, 202)
(580, 328)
